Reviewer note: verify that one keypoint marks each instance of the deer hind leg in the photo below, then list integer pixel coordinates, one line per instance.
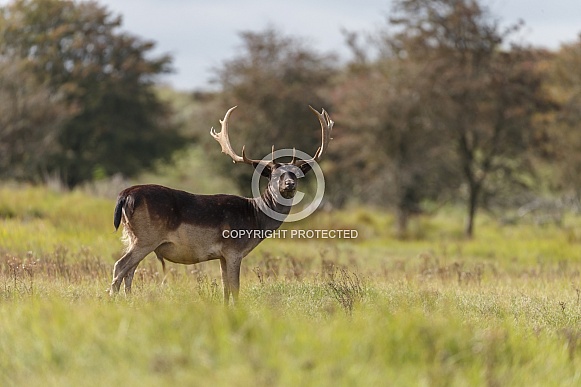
(231, 278)
(128, 279)
(160, 257)
(125, 267)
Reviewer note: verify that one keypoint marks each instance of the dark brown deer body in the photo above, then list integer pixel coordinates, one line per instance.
(187, 228)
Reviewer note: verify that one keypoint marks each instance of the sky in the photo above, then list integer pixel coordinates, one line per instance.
(201, 34)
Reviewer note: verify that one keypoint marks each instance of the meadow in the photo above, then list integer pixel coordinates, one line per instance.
(434, 309)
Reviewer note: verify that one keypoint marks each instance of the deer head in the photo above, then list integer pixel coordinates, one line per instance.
(282, 177)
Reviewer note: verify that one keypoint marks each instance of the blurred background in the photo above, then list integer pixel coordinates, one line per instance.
(465, 103)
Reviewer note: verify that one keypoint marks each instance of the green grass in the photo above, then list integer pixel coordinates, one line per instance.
(405, 332)
(435, 309)
(39, 220)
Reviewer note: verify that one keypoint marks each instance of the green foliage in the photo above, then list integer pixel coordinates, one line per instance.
(445, 106)
(561, 141)
(193, 168)
(105, 76)
(30, 116)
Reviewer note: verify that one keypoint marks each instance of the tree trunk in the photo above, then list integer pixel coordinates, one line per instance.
(474, 190)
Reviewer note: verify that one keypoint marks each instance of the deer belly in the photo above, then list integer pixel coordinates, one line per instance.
(189, 244)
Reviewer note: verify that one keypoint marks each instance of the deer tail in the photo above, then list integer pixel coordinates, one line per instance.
(119, 211)
(125, 203)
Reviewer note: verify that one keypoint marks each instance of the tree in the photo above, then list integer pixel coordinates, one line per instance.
(273, 78)
(30, 116)
(484, 97)
(77, 49)
(383, 105)
(564, 136)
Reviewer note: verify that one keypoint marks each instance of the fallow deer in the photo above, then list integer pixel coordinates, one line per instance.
(188, 228)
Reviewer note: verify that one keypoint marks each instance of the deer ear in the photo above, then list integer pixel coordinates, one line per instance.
(266, 170)
(306, 167)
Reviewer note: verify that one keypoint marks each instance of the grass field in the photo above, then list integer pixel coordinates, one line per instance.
(434, 309)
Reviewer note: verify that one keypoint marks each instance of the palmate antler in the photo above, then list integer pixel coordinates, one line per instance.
(224, 140)
(326, 128)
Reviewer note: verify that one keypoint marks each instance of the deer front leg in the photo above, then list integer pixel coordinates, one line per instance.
(225, 282)
(233, 274)
(230, 268)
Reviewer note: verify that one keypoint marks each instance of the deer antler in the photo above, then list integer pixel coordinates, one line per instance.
(224, 141)
(326, 128)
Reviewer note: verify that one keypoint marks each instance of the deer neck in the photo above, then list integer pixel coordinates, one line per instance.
(268, 201)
